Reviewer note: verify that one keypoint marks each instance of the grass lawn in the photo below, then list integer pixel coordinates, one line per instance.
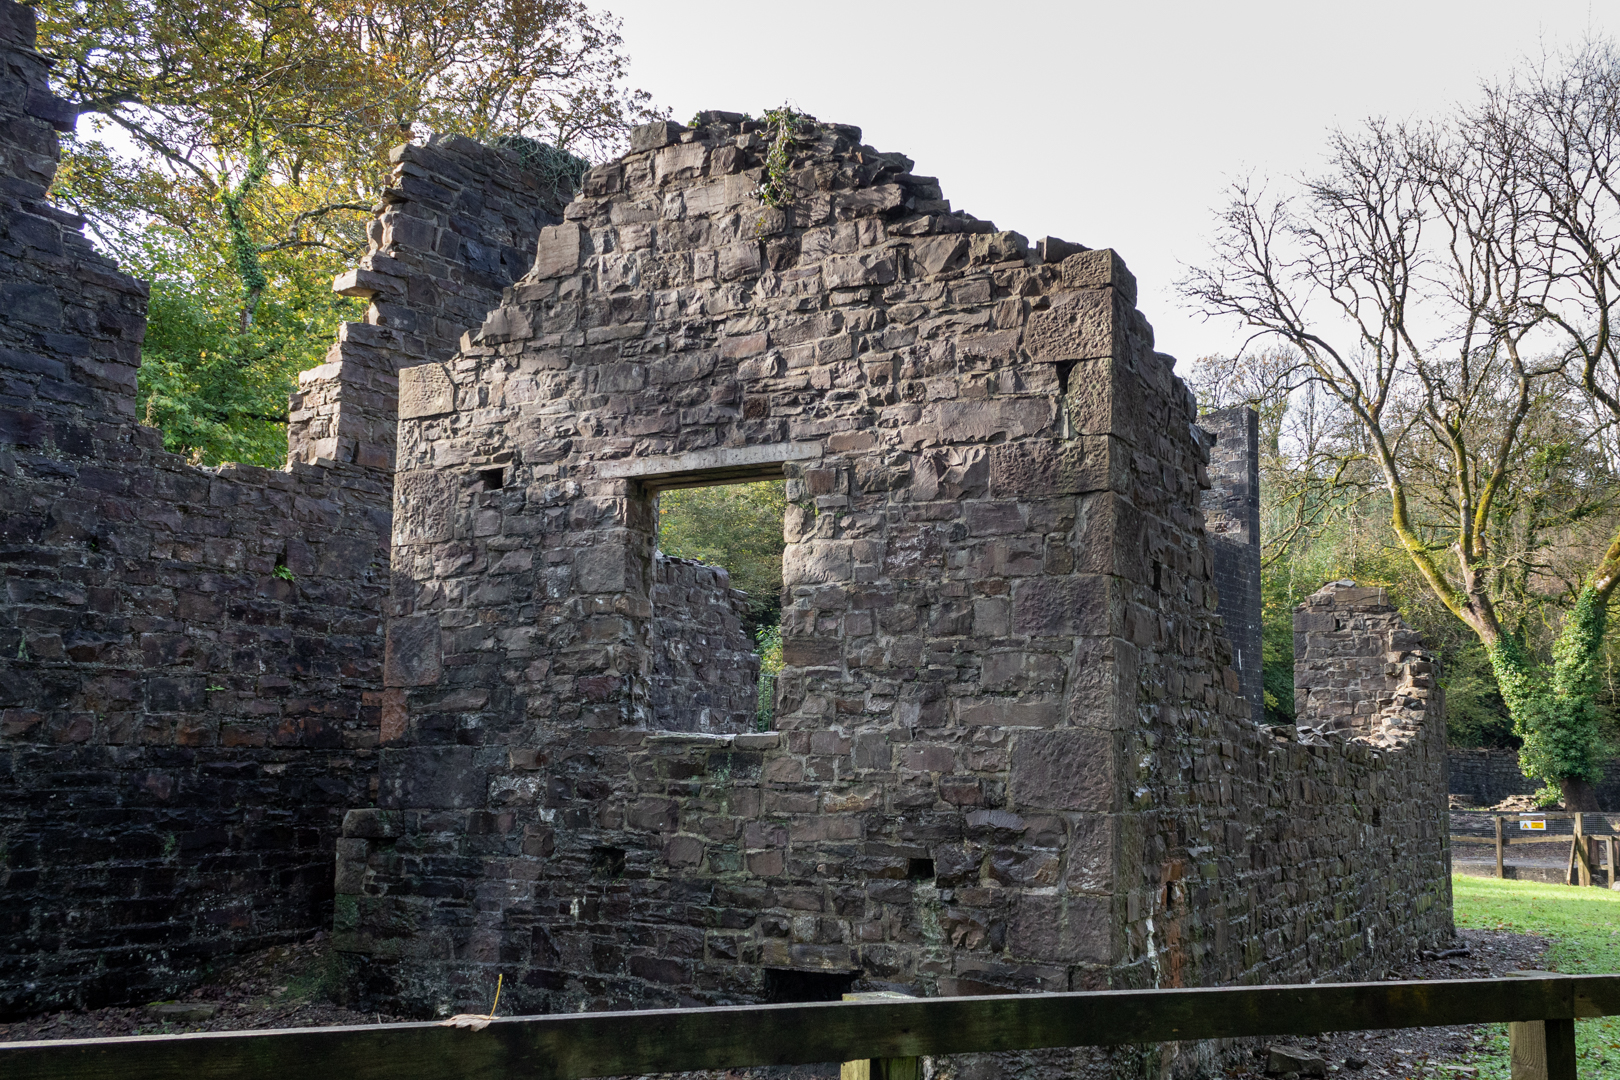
(1584, 926)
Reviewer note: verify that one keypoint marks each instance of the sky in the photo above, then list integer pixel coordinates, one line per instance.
(1109, 124)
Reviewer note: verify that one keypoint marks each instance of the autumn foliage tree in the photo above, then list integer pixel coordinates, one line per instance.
(232, 152)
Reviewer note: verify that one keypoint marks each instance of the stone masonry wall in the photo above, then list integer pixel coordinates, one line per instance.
(1276, 854)
(189, 657)
(1013, 752)
(1358, 670)
(1232, 520)
(990, 473)
(456, 224)
(705, 673)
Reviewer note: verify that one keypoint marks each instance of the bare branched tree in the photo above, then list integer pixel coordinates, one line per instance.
(1451, 286)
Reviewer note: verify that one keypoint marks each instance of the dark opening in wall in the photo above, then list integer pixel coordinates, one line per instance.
(607, 863)
(784, 986)
(493, 478)
(1062, 368)
(920, 869)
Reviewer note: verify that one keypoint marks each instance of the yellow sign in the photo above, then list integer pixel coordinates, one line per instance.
(1533, 824)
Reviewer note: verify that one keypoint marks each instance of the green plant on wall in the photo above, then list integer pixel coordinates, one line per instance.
(782, 127)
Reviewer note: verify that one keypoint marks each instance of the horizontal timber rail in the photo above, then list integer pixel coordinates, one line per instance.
(577, 1045)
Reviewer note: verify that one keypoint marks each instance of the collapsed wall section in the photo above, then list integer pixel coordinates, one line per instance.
(1360, 671)
(1322, 852)
(456, 224)
(189, 657)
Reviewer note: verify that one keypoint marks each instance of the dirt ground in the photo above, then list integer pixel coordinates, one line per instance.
(1403, 1052)
(288, 986)
(291, 987)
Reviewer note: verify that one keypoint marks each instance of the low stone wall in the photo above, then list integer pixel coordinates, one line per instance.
(1487, 776)
(1275, 854)
(705, 673)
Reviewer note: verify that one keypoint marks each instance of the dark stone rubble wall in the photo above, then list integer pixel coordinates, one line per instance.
(1232, 521)
(1284, 854)
(456, 224)
(989, 471)
(705, 673)
(190, 658)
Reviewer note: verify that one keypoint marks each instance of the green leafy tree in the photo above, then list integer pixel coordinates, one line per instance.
(219, 392)
(738, 527)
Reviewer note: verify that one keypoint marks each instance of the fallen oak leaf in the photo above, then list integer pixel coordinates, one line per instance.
(476, 1021)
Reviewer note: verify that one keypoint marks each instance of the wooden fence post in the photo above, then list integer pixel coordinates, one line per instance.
(908, 1068)
(1499, 872)
(1583, 856)
(1541, 1049)
(1559, 1039)
(1527, 1048)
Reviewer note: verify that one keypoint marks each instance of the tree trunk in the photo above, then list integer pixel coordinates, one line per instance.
(1579, 796)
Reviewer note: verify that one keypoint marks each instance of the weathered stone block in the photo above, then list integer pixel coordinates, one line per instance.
(558, 251)
(414, 655)
(1064, 770)
(425, 390)
(1064, 929)
(431, 778)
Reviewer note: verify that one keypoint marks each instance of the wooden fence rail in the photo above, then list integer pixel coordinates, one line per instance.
(1592, 839)
(574, 1046)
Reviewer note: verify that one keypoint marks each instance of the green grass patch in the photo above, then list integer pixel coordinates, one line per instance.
(1584, 927)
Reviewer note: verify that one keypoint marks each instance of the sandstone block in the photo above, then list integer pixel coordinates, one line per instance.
(1077, 326)
(1097, 269)
(1062, 929)
(654, 135)
(558, 252)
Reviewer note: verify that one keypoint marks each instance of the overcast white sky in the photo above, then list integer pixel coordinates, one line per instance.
(1109, 124)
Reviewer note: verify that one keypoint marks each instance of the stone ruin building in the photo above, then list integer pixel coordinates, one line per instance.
(1015, 747)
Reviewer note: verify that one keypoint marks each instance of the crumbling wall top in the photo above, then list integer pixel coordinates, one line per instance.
(1359, 670)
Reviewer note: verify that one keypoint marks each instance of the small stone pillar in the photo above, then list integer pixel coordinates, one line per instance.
(1232, 521)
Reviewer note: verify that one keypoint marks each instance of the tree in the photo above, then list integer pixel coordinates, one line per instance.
(254, 134)
(1451, 286)
(738, 527)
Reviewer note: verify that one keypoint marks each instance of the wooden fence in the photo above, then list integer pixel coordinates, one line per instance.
(1542, 1008)
(1593, 839)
